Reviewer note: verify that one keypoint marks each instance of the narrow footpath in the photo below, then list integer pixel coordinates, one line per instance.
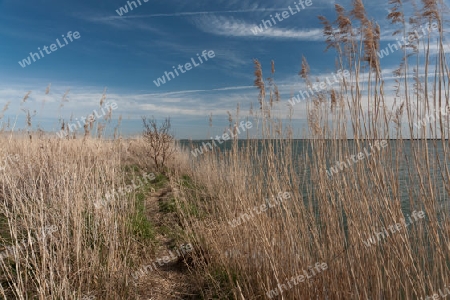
(162, 279)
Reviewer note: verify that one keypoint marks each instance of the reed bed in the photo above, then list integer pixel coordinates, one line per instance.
(329, 219)
(59, 244)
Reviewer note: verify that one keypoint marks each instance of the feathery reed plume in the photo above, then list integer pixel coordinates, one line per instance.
(27, 95)
(230, 119)
(398, 115)
(328, 32)
(108, 116)
(100, 128)
(333, 99)
(28, 120)
(87, 129)
(344, 37)
(116, 129)
(270, 92)
(277, 93)
(259, 83)
(430, 11)
(64, 99)
(5, 108)
(304, 71)
(344, 24)
(396, 14)
(359, 12)
(371, 44)
(92, 120)
(273, 87)
(102, 100)
(370, 34)
(47, 90)
(271, 84)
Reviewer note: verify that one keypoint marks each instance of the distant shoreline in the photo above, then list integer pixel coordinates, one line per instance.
(202, 140)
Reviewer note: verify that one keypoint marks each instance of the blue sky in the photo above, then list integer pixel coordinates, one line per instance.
(127, 53)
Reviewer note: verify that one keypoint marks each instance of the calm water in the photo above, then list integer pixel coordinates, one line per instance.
(408, 184)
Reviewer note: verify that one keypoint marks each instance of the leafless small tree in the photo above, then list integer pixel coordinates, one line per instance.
(160, 141)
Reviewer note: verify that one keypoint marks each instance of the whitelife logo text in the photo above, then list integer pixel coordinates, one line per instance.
(280, 17)
(124, 10)
(393, 228)
(187, 66)
(356, 158)
(319, 86)
(406, 42)
(27, 61)
(224, 137)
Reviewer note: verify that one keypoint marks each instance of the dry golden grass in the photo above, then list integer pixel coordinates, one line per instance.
(55, 183)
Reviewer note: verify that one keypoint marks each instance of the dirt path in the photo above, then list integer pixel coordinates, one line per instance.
(162, 279)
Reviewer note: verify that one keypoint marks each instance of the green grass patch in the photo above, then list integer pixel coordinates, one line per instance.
(141, 227)
(131, 168)
(167, 206)
(164, 230)
(194, 195)
(186, 181)
(220, 276)
(4, 229)
(160, 181)
(192, 210)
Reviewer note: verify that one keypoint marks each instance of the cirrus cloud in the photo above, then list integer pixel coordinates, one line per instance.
(227, 26)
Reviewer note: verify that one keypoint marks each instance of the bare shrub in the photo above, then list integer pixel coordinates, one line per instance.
(160, 140)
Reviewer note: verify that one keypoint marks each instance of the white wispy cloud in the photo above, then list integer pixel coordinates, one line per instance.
(255, 9)
(83, 100)
(226, 26)
(119, 22)
(199, 91)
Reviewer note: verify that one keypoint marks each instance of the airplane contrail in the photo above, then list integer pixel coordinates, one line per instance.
(204, 12)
